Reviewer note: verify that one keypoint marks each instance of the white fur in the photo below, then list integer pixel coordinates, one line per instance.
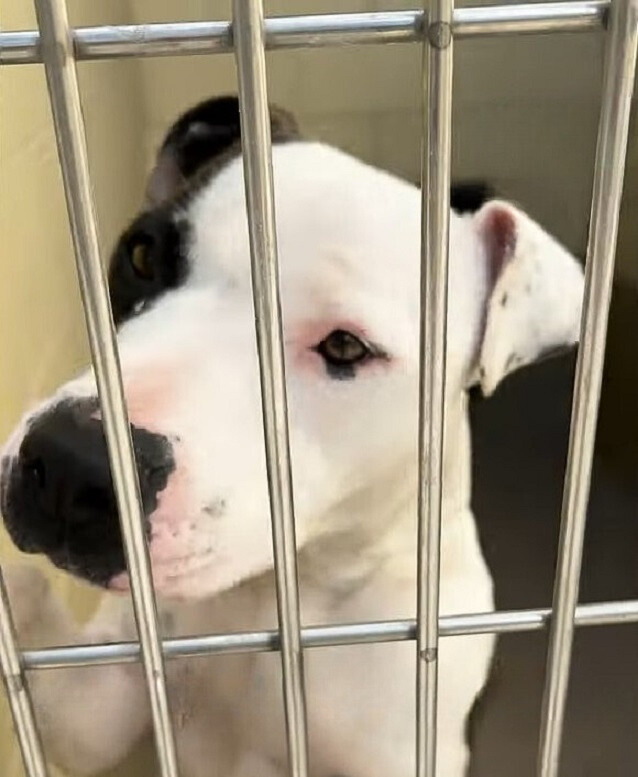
(349, 257)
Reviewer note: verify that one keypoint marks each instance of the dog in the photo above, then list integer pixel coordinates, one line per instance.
(179, 279)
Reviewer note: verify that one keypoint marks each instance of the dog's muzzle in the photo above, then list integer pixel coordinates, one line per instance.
(57, 495)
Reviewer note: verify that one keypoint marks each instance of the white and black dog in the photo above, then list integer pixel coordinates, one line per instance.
(348, 238)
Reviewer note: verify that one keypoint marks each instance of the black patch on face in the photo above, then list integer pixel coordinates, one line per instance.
(341, 371)
(197, 146)
(58, 495)
(163, 242)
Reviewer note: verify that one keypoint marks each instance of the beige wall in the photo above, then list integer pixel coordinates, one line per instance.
(525, 117)
(42, 338)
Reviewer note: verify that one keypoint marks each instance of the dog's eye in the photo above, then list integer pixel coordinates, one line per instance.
(343, 349)
(141, 262)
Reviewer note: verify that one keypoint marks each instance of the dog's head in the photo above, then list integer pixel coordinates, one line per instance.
(348, 238)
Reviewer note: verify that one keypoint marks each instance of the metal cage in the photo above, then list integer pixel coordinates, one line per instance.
(58, 47)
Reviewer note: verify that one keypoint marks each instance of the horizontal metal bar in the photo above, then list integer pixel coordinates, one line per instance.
(215, 37)
(530, 19)
(507, 621)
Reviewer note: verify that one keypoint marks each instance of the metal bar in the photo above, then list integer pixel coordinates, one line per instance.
(215, 37)
(529, 19)
(504, 622)
(64, 94)
(15, 682)
(248, 29)
(435, 199)
(618, 83)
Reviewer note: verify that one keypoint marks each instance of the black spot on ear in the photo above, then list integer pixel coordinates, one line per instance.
(204, 138)
(161, 240)
(470, 196)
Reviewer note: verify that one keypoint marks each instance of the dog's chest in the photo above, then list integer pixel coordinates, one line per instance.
(354, 693)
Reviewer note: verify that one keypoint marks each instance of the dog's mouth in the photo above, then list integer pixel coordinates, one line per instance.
(169, 576)
(92, 550)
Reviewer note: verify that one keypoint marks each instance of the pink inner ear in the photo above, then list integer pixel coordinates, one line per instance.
(500, 237)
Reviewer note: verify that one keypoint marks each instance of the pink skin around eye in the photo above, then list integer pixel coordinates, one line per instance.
(311, 333)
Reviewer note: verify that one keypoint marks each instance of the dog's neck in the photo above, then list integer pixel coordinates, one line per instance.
(377, 524)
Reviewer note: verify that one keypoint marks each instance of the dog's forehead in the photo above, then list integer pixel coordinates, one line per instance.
(337, 219)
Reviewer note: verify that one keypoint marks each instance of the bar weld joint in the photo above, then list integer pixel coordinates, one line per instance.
(440, 35)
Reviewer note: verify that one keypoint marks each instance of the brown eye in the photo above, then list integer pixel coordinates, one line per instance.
(343, 349)
(141, 261)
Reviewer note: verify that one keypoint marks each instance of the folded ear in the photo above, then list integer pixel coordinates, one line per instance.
(535, 290)
(207, 134)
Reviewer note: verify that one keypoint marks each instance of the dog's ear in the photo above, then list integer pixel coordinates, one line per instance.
(534, 298)
(207, 132)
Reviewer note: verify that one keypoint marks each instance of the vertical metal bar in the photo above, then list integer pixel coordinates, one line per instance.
(249, 39)
(620, 65)
(18, 692)
(435, 192)
(57, 54)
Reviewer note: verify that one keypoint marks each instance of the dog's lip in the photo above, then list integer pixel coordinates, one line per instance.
(119, 583)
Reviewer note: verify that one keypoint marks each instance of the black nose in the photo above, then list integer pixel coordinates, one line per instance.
(60, 500)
